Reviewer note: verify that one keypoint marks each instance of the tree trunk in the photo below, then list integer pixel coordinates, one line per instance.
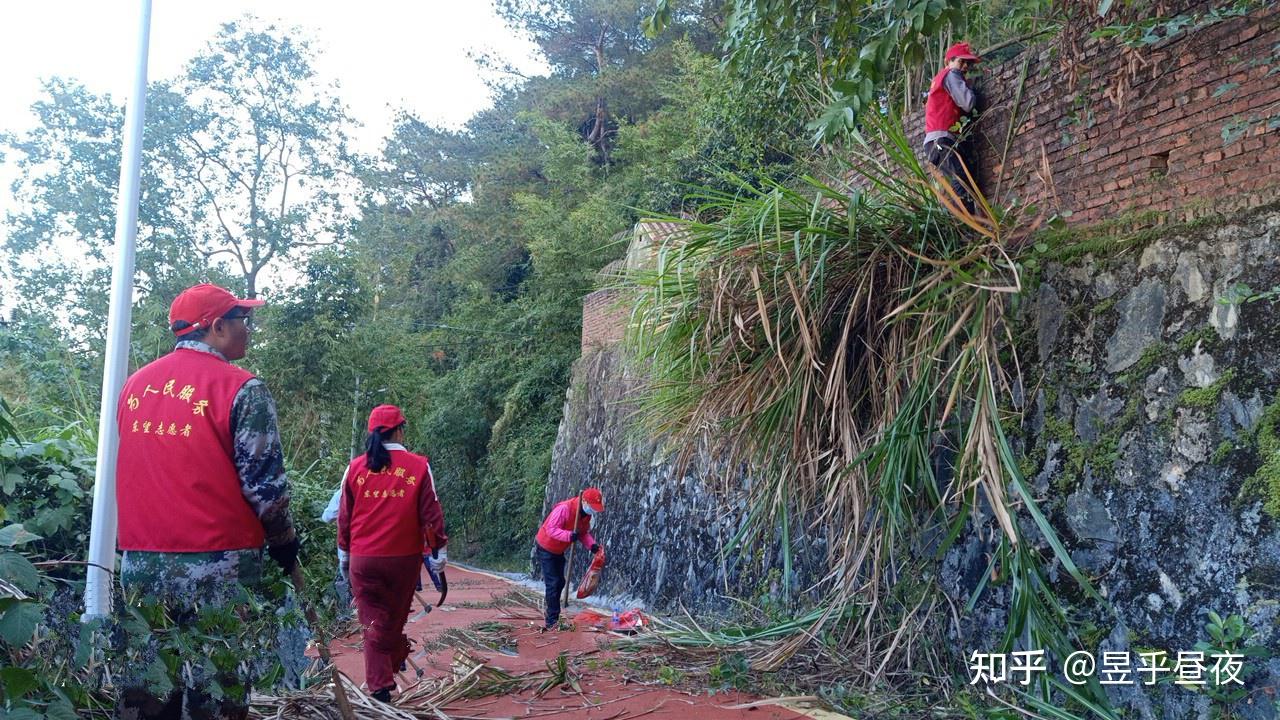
(597, 136)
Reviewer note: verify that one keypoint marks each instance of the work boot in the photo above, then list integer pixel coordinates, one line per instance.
(383, 695)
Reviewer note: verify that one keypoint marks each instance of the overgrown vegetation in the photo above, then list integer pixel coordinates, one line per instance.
(847, 347)
(51, 664)
(858, 335)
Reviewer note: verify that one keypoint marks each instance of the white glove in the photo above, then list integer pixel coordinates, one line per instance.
(440, 561)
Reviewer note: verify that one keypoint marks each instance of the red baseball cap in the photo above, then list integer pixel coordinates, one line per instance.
(386, 417)
(197, 307)
(592, 498)
(961, 51)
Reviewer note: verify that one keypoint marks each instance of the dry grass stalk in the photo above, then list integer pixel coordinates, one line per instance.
(472, 678)
(486, 635)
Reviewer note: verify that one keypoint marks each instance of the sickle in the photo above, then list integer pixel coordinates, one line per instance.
(437, 579)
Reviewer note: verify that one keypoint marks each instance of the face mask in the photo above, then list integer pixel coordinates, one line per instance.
(588, 509)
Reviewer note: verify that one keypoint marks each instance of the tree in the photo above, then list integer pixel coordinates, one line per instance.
(258, 149)
(584, 38)
(422, 165)
(244, 159)
(60, 236)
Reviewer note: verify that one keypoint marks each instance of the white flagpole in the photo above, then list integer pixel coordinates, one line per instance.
(102, 537)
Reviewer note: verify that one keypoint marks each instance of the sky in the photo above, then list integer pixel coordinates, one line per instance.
(383, 54)
(397, 53)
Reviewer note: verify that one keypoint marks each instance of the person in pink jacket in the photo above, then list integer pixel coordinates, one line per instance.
(568, 522)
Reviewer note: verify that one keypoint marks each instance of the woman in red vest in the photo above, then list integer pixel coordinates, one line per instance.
(565, 524)
(388, 514)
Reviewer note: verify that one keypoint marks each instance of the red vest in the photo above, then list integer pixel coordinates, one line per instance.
(382, 506)
(940, 111)
(177, 486)
(559, 547)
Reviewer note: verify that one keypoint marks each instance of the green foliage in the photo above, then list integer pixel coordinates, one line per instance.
(47, 485)
(1205, 337)
(476, 307)
(7, 428)
(668, 675)
(1206, 398)
(1229, 636)
(257, 149)
(836, 60)
(52, 662)
(244, 165)
(1240, 293)
(581, 37)
(731, 672)
(44, 514)
(1265, 481)
(1148, 31)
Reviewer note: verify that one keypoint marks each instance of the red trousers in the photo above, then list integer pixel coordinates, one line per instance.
(383, 588)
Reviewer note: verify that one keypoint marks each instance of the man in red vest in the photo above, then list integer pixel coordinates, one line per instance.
(950, 98)
(201, 488)
(568, 522)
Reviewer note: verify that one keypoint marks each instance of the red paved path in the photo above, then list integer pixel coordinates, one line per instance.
(605, 693)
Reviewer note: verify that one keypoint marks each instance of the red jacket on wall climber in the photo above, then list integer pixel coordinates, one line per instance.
(950, 98)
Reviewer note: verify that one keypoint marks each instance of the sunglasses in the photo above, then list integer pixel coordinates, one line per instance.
(247, 318)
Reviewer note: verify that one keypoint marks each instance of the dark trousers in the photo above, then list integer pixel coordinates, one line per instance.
(945, 154)
(552, 566)
(140, 704)
(383, 587)
(185, 582)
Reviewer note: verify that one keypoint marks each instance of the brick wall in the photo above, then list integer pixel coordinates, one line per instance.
(1197, 130)
(604, 314)
(604, 318)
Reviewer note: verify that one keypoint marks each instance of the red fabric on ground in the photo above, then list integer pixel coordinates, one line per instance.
(383, 588)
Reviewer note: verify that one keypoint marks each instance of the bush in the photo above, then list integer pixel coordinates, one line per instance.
(51, 664)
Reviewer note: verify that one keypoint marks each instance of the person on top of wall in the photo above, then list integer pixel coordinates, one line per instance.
(201, 487)
(567, 523)
(388, 515)
(950, 98)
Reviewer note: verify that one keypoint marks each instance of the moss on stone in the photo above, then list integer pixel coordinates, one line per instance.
(1091, 636)
(1061, 430)
(1106, 239)
(1106, 452)
(1206, 336)
(1101, 455)
(1150, 359)
(1222, 451)
(1027, 465)
(1206, 397)
(1265, 481)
